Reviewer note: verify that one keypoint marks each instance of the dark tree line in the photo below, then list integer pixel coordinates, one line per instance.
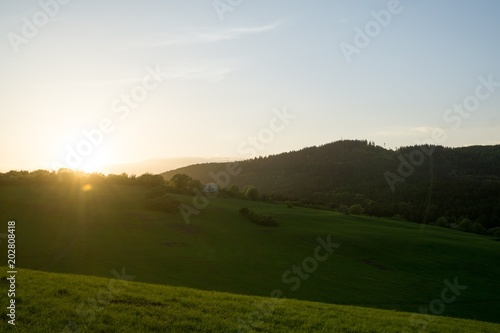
(453, 183)
(67, 176)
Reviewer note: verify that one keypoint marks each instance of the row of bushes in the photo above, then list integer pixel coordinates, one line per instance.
(263, 220)
(465, 224)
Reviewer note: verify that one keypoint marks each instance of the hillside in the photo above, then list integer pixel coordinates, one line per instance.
(48, 302)
(93, 228)
(420, 183)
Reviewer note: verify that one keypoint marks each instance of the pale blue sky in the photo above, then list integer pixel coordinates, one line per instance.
(222, 79)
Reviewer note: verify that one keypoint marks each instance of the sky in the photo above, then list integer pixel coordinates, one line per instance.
(89, 84)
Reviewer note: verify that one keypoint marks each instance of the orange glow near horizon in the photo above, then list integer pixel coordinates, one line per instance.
(86, 187)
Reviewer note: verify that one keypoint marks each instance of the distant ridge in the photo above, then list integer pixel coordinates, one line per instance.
(419, 183)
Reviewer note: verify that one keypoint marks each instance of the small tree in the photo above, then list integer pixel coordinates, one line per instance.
(477, 228)
(151, 180)
(442, 222)
(495, 232)
(251, 193)
(234, 190)
(180, 182)
(194, 184)
(356, 210)
(344, 209)
(465, 224)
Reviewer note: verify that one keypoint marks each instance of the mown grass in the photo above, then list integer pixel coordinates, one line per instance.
(380, 263)
(49, 302)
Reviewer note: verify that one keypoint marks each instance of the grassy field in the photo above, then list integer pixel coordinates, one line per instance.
(49, 302)
(379, 263)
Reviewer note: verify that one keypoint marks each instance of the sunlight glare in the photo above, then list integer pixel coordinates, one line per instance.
(86, 187)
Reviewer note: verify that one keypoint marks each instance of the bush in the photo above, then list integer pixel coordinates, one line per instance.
(442, 222)
(356, 209)
(495, 232)
(465, 225)
(150, 180)
(263, 220)
(251, 193)
(477, 228)
(344, 209)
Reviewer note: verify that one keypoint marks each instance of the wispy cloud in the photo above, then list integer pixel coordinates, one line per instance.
(207, 70)
(423, 130)
(202, 36)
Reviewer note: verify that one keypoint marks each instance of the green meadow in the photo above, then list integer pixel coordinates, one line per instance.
(377, 263)
(49, 302)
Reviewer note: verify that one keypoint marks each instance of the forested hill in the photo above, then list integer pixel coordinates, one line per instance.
(418, 183)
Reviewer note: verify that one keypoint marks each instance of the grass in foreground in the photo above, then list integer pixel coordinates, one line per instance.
(48, 302)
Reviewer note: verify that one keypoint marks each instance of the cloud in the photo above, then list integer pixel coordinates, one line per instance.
(208, 70)
(423, 130)
(203, 37)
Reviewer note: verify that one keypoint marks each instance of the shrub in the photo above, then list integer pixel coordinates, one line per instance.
(251, 193)
(477, 228)
(344, 209)
(356, 209)
(495, 232)
(465, 225)
(442, 222)
(263, 220)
